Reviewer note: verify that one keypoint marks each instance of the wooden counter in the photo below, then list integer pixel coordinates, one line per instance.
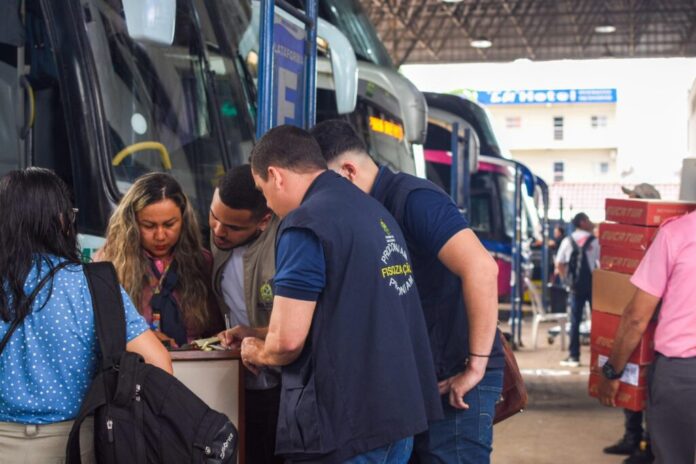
(217, 377)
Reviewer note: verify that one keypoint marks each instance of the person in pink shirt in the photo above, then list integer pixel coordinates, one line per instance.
(666, 274)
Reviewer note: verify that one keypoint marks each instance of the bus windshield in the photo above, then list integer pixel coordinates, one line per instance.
(348, 16)
(187, 98)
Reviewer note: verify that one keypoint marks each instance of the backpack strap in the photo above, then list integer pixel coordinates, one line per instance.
(28, 302)
(109, 314)
(587, 243)
(110, 323)
(96, 397)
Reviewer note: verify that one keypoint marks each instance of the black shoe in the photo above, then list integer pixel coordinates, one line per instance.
(642, 455)
(624, 446)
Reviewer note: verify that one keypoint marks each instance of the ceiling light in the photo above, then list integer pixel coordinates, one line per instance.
(451, 1)
(481, 43)
(605, 29)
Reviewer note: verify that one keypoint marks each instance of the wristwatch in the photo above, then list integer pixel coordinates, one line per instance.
(609, 372)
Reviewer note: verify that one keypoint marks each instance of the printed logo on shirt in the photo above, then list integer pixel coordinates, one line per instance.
(396, 269)
(266, 293)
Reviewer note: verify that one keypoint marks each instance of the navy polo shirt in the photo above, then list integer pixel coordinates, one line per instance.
(300, 265)
(429, 219)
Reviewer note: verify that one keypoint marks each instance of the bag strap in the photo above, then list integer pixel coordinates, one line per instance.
(110, 323)
(109, 314)
(95, 398)
(29, 301)
(587, 243)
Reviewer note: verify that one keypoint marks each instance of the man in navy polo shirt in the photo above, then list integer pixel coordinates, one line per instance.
(457, 283)
(357, 379)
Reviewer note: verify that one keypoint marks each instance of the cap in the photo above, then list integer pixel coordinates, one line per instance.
(642, 191)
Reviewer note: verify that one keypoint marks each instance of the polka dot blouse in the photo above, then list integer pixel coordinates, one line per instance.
(48, 365)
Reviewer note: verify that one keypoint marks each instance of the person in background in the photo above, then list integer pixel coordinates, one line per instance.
(243, 234)
(636, 440)
(357, 378)
(577, 257)
(49, 361)
(457, 283)
(665, 275)
(154, 242)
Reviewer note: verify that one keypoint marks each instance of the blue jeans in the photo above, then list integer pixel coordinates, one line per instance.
(395, 453)
(577, 309)
(464, 436)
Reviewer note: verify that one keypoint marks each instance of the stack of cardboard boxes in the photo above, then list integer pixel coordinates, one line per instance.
(624, 242)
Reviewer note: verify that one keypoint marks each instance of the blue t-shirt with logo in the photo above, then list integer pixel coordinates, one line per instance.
(51, 359)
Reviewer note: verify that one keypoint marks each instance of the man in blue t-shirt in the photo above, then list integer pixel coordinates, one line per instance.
(457, 283)
(346, 325)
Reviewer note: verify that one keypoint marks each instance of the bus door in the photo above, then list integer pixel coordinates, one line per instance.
(33, 129)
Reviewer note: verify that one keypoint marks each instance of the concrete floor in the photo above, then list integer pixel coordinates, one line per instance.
(562, 423)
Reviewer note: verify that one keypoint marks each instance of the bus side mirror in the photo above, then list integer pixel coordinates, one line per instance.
(151, 21)
(344, 66)
(474, 153)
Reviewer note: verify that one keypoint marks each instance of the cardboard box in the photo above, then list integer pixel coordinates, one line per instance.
(634, 374)
(603, 334)
(628, 396)
(611, 291)
(645, 212)
(626, 236)
(621, 260)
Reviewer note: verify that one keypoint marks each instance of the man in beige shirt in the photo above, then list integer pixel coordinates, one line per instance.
(243, 232)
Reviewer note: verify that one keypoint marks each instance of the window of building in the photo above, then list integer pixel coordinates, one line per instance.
(558, 168)
(598, 121)
(513, 122)
(604, 168)
(558, 128)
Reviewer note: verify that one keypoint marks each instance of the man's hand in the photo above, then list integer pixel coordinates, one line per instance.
(232, 338)
(251, 351)
(459, 385)
(607, 391)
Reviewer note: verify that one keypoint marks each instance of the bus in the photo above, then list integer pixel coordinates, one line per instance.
(88, 90)
(491, 210)
(391, 113)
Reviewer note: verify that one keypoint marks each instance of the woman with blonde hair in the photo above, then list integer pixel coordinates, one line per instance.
(154, 242)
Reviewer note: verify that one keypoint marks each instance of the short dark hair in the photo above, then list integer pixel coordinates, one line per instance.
(336, 137)
(237, 191)
(287, 147)
(579, 218)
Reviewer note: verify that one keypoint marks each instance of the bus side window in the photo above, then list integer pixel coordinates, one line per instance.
(49, 133)
(9, 89)
(439, 174)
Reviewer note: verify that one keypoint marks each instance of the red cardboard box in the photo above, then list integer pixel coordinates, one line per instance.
(626, 236)
(645, 212)
(622, 260)
(634, 374)
(628, 396)
(604, 327)
(611, 291)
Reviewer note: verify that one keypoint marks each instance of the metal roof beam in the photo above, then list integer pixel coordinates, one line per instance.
(518, 28)
(402, 23)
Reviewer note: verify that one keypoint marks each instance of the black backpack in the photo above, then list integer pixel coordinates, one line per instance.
(579, 274)
(141, 413)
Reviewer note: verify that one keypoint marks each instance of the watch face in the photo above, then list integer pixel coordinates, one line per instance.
(609, 372)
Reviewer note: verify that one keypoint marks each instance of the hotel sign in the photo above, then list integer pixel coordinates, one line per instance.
(543, 96)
